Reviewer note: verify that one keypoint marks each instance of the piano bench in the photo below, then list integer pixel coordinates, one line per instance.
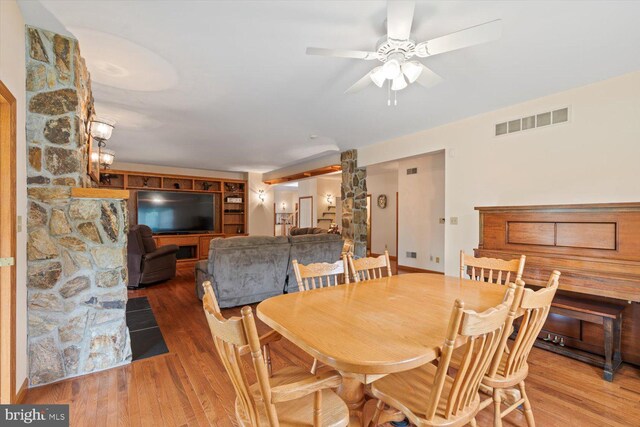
(607, 314)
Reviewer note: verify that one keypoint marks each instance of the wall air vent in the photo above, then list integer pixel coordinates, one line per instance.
(412, 171)
(531, 122)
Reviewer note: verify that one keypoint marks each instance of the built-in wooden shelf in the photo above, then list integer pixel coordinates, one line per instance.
(226, 223)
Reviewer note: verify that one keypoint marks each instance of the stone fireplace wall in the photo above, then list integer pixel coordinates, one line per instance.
(76, 248)
(354, 202)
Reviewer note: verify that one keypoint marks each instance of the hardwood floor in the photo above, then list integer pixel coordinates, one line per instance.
(188, 386)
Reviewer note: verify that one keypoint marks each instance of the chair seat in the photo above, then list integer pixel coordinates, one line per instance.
(409, 392)
(298, 412)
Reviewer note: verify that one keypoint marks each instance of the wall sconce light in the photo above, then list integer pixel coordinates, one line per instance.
(262, 196)
(284, 206)
(101, 129)
(106, 157)
(329, 199)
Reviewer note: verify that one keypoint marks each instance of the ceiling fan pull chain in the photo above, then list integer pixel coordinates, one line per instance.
(389, 93)
(395, 98)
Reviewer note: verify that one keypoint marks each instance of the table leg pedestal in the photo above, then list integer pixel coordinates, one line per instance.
(352, 392)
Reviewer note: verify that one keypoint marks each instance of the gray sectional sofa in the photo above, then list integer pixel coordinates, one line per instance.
(244, 270)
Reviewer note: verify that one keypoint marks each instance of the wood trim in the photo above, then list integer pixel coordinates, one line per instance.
(417, 270)
(8, 119)
(370, 220)
(98, 193)
(567, 207)
(307, 174)
(168, 175)
(22, 392)
(397, 223)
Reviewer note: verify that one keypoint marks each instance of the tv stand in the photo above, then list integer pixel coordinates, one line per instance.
(192, 247)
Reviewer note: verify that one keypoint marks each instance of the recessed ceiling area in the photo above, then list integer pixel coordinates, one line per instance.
(226, 85)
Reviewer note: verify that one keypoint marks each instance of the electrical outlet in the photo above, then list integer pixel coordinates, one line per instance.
(437, 260)
(442, 220)
(19, 224)
(454, 220)
(431, 258)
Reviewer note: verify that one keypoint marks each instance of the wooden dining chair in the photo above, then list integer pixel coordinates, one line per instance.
(370, 267)
(509, 367)
(289, 397)
(428, 395)
(265, 339)
(492, 270)
(321, 274)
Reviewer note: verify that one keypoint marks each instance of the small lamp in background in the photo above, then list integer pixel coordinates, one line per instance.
(262, 196)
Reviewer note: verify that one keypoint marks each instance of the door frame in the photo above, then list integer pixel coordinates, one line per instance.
(370, 223)
(8, 118)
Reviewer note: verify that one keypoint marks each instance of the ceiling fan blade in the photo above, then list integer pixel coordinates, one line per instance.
(482, 33)
(360, 84)
(428, 78)
(399, 19)
(342, 53)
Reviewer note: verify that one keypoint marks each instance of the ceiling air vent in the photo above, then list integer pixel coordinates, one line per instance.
(412, 171)
(531, 122)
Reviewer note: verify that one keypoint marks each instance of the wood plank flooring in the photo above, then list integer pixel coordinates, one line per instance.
(188, 386)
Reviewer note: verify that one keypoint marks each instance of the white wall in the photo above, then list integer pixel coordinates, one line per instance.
(591, 159)
(383, 232)
(326, 186)
(420, 206)
(260, 213)
(12, 74)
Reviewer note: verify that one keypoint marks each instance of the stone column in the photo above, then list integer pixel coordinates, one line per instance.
(76, 247)
(354, 202)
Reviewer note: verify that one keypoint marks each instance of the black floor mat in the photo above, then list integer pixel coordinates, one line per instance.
(146, 338)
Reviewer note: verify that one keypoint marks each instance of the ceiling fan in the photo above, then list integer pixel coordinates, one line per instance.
(397, 50)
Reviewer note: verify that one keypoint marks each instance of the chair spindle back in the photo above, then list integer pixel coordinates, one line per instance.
(371, 267)
(491, 270)
(482, 332)
(536, 306)
(322, 274)
(229, 336)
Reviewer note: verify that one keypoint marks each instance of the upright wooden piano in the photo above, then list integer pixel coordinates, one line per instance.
(596, 247)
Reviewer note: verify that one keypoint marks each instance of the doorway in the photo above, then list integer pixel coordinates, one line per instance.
(7, 245)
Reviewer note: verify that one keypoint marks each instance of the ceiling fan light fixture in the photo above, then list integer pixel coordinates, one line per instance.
(377, 76)
(391, 69)
(398, 83)
(412, 70)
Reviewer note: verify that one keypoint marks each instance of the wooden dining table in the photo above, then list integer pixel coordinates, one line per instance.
(371, 329)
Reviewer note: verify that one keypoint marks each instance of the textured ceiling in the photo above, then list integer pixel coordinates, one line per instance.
(227, 85)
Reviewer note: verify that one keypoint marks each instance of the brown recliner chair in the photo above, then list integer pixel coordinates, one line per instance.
(147, 263)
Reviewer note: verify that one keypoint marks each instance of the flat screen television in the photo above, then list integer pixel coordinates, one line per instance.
(173, 212)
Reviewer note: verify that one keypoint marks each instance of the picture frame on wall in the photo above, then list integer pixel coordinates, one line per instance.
(93, 161)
